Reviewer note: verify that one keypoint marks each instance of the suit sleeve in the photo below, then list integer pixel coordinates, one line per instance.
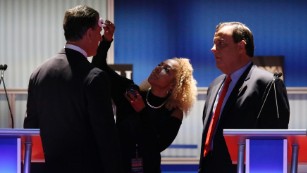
(283, 104)
(100, 61)
(276, 111)
(31, 120)
(119, 84)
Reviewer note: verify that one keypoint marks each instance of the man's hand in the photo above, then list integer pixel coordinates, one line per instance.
(109, 29)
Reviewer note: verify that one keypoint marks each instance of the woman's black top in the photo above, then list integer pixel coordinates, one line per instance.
(146, 133)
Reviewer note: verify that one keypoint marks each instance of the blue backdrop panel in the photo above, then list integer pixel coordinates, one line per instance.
(148, 32)
(266, 156)
(186, 168)
(8, 155)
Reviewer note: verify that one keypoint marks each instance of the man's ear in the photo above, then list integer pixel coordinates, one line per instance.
(242, 45)
(88, 34)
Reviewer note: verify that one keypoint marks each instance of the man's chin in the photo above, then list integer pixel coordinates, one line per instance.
(220, 67)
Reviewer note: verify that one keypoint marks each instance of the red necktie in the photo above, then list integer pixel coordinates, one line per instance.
(216, 116)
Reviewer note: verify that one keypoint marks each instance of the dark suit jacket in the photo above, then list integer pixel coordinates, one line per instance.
(241, 111)
(69, 101)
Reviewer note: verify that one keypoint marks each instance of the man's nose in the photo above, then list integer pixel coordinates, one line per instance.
(213, 49)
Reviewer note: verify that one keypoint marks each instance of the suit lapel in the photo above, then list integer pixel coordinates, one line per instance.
(239, 89)
(214, 91)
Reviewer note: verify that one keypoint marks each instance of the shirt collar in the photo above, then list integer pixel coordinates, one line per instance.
(76, 48)
(237, 74)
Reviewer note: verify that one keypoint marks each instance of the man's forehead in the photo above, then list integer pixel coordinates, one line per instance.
(223, 33)
(221, 37)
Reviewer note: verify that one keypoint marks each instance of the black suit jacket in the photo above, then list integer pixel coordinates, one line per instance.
(241, 112)
(69, 101)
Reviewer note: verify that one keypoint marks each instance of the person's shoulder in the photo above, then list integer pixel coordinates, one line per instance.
(262, 77)
(262, 74)
(96, 79)
(50, 62)
(96, 72)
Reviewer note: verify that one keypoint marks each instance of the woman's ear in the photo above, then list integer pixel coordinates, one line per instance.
(172, 86)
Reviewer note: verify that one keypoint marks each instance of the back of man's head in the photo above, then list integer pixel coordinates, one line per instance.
(78, 20)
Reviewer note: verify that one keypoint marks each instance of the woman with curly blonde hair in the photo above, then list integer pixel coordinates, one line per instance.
(148, 117)
(183, 91)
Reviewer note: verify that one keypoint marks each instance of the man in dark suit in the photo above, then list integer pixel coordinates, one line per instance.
(255, 98)
(69, 101)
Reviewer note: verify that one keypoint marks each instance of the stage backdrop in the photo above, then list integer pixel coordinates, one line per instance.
(147, 32)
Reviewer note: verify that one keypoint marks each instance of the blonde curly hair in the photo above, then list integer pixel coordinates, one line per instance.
(184, 93)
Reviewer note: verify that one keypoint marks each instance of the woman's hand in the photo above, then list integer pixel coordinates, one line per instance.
(135, 99)
(109, 29)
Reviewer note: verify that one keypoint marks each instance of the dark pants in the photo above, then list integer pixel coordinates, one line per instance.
(209, 164)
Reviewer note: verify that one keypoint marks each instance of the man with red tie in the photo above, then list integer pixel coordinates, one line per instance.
(244, 97)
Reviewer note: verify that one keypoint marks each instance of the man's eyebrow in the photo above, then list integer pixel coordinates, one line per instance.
(218, 39)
